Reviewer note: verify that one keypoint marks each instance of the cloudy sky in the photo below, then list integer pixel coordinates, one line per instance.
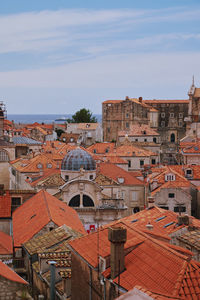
(57, 56)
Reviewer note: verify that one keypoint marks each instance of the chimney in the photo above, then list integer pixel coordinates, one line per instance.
(117, 237)
(183, 220)
(149, 226)
(140, 99)
(151, 201)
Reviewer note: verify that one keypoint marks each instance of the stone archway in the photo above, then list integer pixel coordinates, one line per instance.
(172, 138)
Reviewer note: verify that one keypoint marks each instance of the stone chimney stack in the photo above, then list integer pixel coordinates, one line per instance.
(117, 237)
(151, 201)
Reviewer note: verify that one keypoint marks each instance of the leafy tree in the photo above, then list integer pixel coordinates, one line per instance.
(82, 116)
(59, 132)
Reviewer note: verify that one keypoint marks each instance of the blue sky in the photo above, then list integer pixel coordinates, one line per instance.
(59, 56)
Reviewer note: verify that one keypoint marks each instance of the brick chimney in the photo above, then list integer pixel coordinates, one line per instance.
(151, 201)
(183, 220)
(117, 238)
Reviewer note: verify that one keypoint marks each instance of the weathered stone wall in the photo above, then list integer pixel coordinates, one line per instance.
(9, 288)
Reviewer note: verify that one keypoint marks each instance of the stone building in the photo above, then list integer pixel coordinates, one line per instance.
(167, 116)
(83, 193)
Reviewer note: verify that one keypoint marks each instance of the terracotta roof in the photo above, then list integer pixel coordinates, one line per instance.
(114, 172)
(112, 101)
(163, 101)
(130, 150)
(101, 148)
(5, 243)
(88, 126)
(38, 211)
(5, 205)
(9, 274)
(49, 178)
(149, 263)
(139, 130)
(51, 240)
(114, 159)
(40, 162)
(191, 238)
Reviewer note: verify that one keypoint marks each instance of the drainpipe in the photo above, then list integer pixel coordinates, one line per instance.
(52, 281)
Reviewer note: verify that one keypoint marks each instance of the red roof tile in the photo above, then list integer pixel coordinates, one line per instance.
(9, 274)
(6, 246)
(101, 148)
(114, 172)
(38, 211)
(5, 205)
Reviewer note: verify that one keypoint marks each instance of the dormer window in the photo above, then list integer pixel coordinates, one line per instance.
(39, 166)
(170, 177)
(95, 151)
(188, 173)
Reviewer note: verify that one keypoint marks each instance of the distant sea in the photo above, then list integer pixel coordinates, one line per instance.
(49, 118)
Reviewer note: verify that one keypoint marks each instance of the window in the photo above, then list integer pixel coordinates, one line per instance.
(163, 124)
(172, 138)
(136, 140)
(145, 140)
(129, 163)
(171, 115)
(40, 166)
(49, 166)
(171, 195)
(180, 115)
(189, 172)
(66, 177)
(170, 177)
(164, 207)
(154, 140)
(134, 196)
(87, 201)
(162, 115)
(136, 209)
(16, 202)
(127, 115)
(141, 163)
(179, 208)
(180, 123)
(95, 151)
(91, 177)
(4, 156)
(127, 125)
(153, 161)
(108, 129)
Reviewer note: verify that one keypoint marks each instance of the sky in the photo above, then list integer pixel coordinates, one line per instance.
(57, 57)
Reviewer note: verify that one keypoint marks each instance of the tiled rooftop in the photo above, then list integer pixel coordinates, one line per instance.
(38, 211)
(50, 240)
(24, 140)
(5, 205)
(9, 274)
(6, 246)
(139, 130)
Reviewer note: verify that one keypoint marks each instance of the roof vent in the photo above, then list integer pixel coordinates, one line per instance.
(149, 226)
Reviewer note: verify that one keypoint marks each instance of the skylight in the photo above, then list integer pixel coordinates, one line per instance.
(168, 224)
(135, 220)
(161, 218)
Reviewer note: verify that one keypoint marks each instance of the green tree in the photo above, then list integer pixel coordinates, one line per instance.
(82, 116)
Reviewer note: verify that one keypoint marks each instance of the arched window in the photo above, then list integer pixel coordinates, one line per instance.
(75, 201)
(4, 156)
(172, 138)
(87, 201)
(136, 209)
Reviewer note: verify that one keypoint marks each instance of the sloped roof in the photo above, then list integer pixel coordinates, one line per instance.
(9, 274)
(50, 239)
(5, 205)
(38, 211)
(25, 140)
(101, 148)
(148, 262)
(5, 243)
(114, 172)
(139, 130)
(165, 101)
(130, 150)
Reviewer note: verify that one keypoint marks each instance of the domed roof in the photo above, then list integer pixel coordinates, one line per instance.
(76, 159)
